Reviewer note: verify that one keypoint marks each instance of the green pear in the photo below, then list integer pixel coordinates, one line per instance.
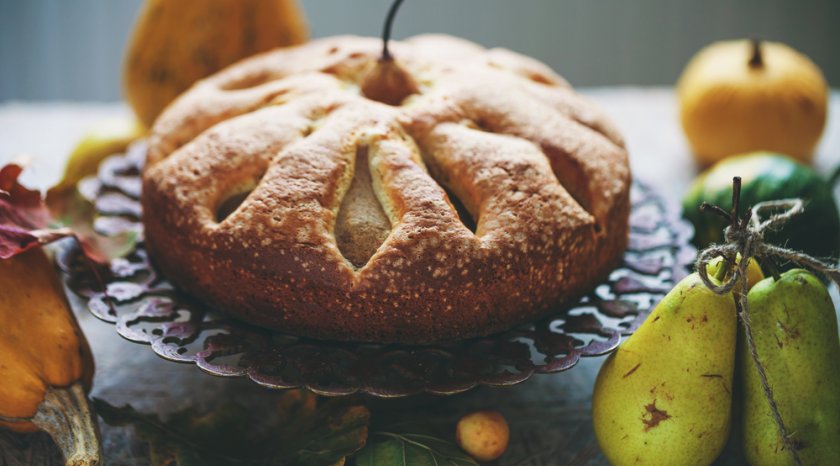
(794, 328)
(664, 396)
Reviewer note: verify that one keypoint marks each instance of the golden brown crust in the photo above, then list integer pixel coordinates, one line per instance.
(543, 173)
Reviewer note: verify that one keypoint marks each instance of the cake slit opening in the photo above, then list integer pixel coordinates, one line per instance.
(463, 214)
(440, 177)
(236, 194)
(361, 224)
(230, 204)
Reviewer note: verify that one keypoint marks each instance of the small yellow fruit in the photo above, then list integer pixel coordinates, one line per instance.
(484, 435)
(105, 138)
(743, 96)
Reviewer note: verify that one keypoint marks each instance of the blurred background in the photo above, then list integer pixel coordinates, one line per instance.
(72, 50)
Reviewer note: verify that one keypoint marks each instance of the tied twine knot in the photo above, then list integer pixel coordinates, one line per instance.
(745, 237)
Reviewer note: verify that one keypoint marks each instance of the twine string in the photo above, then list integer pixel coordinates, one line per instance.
(745, 236)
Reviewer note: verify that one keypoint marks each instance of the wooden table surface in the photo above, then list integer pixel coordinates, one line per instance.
(549, 414)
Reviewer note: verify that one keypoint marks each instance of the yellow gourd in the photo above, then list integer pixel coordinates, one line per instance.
(177, 42)
(46, 367)
(744, 96)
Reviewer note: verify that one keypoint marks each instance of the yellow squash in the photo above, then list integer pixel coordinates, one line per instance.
(177, 42)
(744, 96)
(46, 366)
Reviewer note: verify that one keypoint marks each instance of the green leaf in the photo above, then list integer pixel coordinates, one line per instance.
(411, 450)
(301, 432)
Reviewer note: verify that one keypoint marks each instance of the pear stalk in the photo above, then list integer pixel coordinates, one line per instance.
(756, 59)
(386, 30)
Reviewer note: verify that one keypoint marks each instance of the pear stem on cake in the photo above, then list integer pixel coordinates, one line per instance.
(387, 81)
(386, 30)
(757, 58)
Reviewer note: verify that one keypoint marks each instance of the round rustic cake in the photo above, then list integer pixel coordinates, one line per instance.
(449, 192)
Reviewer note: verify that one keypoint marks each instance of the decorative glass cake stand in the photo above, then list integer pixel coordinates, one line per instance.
(147, 309)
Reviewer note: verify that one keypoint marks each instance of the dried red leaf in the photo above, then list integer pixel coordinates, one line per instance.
(27, 222)
(14, 191)
(20, 206)
(24, 218)
(14, 240)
